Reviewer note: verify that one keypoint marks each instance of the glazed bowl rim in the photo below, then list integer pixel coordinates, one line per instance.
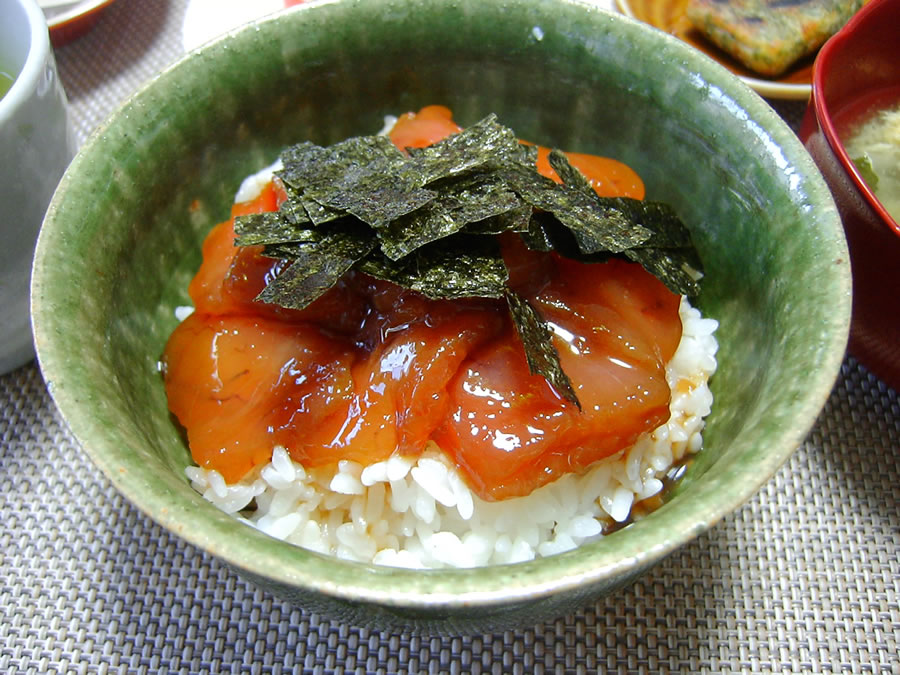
(480, 587)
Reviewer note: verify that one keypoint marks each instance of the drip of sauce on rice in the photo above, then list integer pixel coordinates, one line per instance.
(874, 146)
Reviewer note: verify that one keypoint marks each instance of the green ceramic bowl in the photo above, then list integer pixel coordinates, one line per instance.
(122, 239)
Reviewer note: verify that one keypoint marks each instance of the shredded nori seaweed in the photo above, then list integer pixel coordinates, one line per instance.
(540, 351)
(464, 266)
(427, 219)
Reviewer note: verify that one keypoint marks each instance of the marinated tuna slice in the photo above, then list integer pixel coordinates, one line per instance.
(240, 384)
(768, 36)
(426, 127)
(399, 386)
(615, 327)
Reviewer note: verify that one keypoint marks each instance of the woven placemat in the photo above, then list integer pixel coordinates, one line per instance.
(804, 578)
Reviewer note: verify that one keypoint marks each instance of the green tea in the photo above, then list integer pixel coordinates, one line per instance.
(6, 81)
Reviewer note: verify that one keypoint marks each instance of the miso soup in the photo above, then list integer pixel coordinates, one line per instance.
(874, 146)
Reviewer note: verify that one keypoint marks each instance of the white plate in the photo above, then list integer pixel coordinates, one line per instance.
(207, 19)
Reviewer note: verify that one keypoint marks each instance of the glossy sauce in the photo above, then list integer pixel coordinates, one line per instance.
(370, 369)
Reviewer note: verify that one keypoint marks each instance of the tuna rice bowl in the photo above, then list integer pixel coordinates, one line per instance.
(411, 351)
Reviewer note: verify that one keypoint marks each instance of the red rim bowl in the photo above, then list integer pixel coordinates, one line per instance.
(856, 70)
(69, 26)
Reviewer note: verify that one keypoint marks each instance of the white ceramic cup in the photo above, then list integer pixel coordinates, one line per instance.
(36, 146)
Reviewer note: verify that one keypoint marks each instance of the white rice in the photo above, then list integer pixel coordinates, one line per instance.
(419, 513)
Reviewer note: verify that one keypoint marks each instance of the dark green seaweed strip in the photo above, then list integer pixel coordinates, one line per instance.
(293, 208)
(596, 226)
(410, 232)
(271, 227)
(307, 278)
(540, 352)
(346, 236)
(318, 262)
(366, 176)
(461, 266)
(475, 197)
(661, 219)
(538, 235)
(376, 200)
(567, 173)
(669, 267)
(481, 146)
(308, 166)
(462, 200)
(392, 186)
(669, 254)
(517, 219)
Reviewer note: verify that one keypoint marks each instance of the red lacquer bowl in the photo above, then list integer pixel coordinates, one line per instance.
(856, 70)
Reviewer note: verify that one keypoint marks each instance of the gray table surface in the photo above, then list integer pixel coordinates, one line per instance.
(803, 578)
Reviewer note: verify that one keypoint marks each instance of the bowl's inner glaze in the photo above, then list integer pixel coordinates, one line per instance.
(123, 239)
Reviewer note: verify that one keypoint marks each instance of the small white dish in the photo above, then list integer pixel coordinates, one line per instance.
(205, 20)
